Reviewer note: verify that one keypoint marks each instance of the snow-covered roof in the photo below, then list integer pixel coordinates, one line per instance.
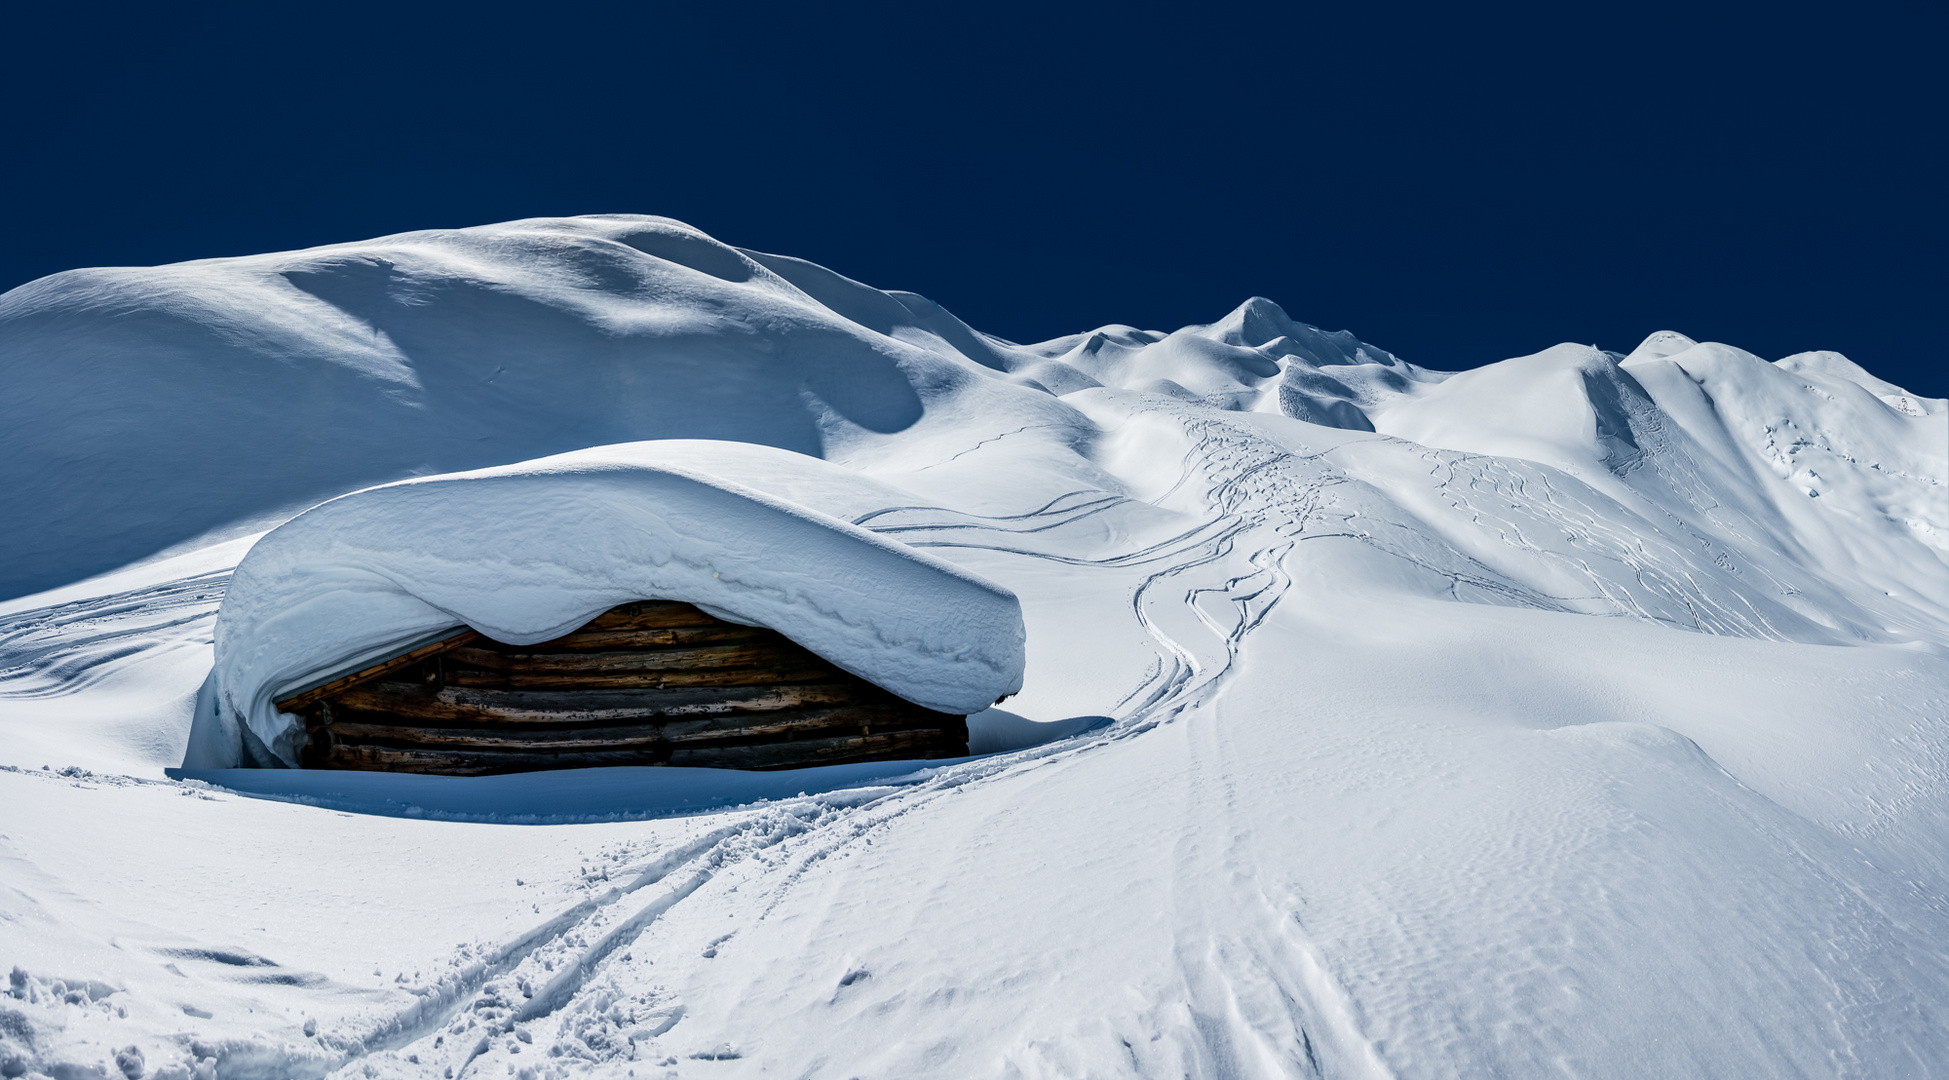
(528, 552)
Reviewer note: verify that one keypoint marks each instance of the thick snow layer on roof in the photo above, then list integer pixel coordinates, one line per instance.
(526, 553)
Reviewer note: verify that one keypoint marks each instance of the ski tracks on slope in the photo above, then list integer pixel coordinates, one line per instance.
(1517, 503)
(1259, 994)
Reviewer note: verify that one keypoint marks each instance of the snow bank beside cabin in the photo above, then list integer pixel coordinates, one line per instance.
(528, 552)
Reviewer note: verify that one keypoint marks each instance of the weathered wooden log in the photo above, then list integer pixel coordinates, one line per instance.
(653, 638)
(917, 743)
(300, 701)
(779, 755)
(654, 682)
(464, 705)
(361, 727)
(622, 680)
(509, 658)
(646, 614)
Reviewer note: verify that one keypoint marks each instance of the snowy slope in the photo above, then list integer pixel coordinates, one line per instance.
(1584, 714)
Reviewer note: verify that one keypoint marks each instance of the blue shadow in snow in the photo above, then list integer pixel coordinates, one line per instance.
(556, 797)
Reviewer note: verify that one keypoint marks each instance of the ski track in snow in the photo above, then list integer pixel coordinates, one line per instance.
(1516, 501)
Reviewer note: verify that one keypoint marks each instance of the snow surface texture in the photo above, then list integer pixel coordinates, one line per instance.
(526, 553)
(1585, 714)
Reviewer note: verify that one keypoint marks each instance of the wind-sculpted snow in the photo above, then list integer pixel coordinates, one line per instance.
(1586, 713)
(528, 552)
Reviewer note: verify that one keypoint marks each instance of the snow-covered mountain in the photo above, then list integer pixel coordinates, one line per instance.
(1585, 713)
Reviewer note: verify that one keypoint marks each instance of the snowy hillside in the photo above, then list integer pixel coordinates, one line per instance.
(1583, 714)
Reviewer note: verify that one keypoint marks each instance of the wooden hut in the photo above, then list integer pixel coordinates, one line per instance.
(655, 682)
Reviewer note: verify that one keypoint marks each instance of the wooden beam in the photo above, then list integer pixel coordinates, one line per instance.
(463, 705)
(660, 637)
(510, 658)
(644, 614)
(363, 728)
(781, 755)
(683, 623)
(299, 701)
(646, 683)
(622, 680)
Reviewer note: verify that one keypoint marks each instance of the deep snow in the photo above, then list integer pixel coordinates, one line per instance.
(528, 552)
(1583, 714)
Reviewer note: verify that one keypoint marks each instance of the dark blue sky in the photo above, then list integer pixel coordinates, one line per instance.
(1457, 183)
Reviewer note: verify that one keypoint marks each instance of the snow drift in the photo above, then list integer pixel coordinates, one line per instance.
(526, 553)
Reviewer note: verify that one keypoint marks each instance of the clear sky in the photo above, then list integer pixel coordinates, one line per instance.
(1456, 182)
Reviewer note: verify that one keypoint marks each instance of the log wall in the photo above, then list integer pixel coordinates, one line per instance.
(649, 683)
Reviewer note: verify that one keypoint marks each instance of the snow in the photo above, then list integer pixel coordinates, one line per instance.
(1580, 714)
(418, 354)
(525, 553)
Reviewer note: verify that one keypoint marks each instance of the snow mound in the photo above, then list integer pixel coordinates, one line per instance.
(528, 552)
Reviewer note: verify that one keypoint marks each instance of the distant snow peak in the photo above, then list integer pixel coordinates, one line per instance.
(1660, 344)
(1255, 359)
